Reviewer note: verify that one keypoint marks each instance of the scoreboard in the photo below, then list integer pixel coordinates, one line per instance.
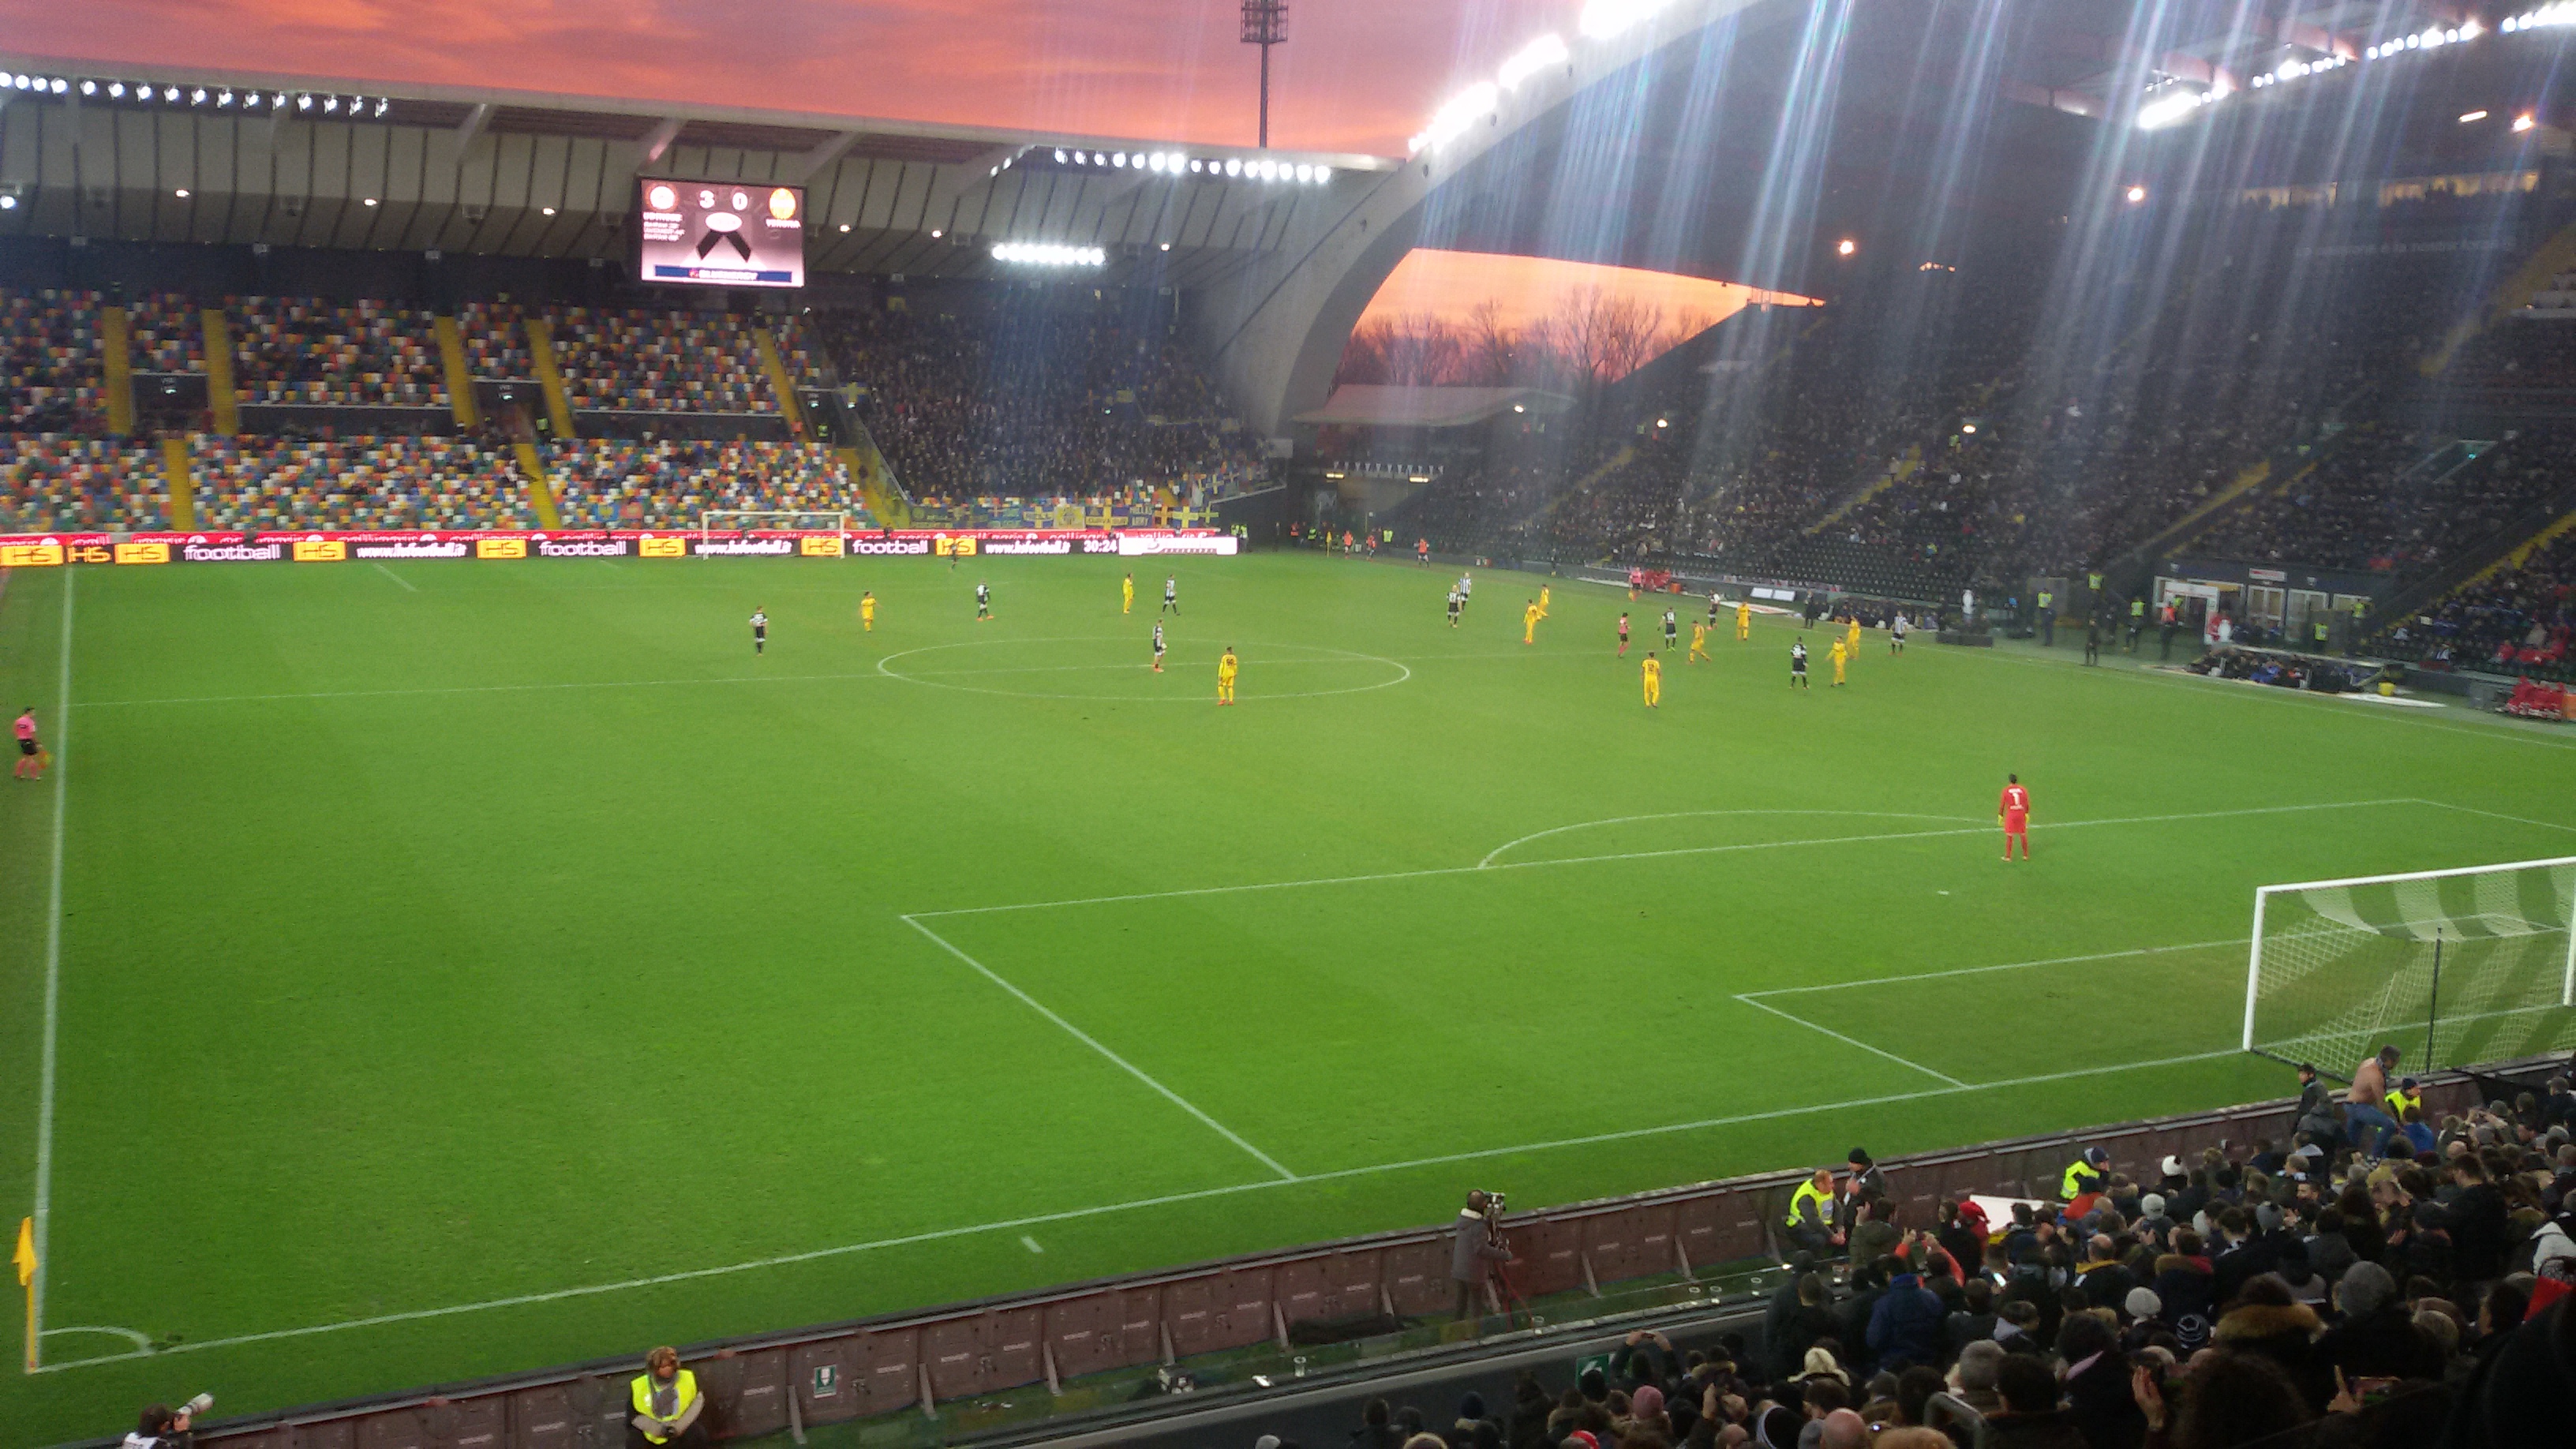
(720, 233)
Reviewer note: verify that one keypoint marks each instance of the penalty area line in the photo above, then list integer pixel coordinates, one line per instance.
(1166, 1200)
(1087, 1039)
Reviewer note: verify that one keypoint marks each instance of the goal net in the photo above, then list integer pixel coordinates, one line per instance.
(2452, 967)
(745, 520)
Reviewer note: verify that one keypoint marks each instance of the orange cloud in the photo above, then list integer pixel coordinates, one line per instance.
(1449, 286)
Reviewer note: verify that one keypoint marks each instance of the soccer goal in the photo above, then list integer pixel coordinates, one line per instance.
(2452, 967)
(749, 520)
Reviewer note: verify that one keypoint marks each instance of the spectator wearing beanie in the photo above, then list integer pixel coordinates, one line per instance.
(2146, 1319)
(2376, 1338)
(2152, 1222)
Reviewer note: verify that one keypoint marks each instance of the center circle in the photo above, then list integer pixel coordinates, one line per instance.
(1121, 670)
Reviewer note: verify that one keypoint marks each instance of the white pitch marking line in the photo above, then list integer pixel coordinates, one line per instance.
(1078, 1034)
(1851, 1041)
(1166, 1200)
(53, 991)
(1030, 1243)
(407, 584)
(488, 689)
(2497, 815)
(1275, 885)
(1701, 814)
(2003, 966)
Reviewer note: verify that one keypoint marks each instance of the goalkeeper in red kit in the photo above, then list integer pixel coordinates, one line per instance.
(2014, 813)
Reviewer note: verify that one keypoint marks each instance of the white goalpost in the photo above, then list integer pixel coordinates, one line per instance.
(747, 520)
(2453, 967)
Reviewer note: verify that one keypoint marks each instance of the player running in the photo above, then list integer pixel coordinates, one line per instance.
(1454, 601)
(2013, 811)
(1798, 665)
(983, 602)
(1623, 636)
(1896, 635)
(1840, 656)
(1158, 646)
(1530, 615)
(1712, 608)
(759, 630)
(1171, 593)
(1127, 594)
(32, 758)
(1743, 620)
(1654, 672)
(1699, 643)
(1226, 668)
(1851, 639)
(1466, 589)
(867, 612)
(1672, 632)
(1422, 552)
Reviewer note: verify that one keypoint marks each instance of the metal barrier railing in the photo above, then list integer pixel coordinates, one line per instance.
(916, 1362)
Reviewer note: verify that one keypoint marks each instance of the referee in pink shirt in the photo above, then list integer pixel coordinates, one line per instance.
(32, 758)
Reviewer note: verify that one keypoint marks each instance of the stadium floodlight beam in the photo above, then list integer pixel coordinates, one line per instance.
(1461, 111)
(1265, 24)
(1541, 54)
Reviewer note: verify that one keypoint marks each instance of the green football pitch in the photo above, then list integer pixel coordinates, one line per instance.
(459, 968)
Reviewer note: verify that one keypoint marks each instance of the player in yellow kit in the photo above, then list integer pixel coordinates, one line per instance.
(868, 613)
(1851, 639)
(1654, 681)
(1743, 620)
(1838, 655)
(1542, 601)
(1226, 669)
(1530, 616)
(1699, 643)
(1127, 594)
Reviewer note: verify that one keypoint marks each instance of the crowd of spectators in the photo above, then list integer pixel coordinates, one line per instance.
(1039, 401)
(636, 360)
(300, 350)
(253, 484)
(495, 337)
(2514, 621)
(2305, 1293)
(50, 362)
(165, 333)
(672, 483)
(86, 484)
(2389, 499)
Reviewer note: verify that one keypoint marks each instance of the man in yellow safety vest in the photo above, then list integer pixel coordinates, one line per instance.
(667, 1403)
(1811, 1215)
(2087, 1173)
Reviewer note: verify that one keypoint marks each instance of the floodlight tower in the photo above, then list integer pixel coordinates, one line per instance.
(1265, 24)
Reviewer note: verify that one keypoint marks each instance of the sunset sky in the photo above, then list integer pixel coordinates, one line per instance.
(1356, 75)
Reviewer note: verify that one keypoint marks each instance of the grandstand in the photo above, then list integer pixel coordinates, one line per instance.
(706, 832)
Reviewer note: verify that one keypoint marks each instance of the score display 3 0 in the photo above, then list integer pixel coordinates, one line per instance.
(720, 234)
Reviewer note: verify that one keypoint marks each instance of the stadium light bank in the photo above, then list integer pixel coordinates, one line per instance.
(1601, 20)
(1049, 254)
(2178, 105)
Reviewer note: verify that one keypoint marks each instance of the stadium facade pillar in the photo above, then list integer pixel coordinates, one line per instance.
(774, 366)
(541, 491)
(117, 338)
(175, 470)
(541, 351)
(460, 378)
(220, 396)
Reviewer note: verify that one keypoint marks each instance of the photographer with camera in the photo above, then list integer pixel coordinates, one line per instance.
(1478, 1250)
(162, 1427)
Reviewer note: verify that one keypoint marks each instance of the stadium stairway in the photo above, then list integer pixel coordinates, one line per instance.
(117, 337)
(541, 492)
(2558, 254)
(220, 394)
(774, 367)
(1903, 468)
(541, 354)
(181, 506)
(460, 378)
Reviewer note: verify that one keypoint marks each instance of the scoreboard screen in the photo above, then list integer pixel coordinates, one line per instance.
(720, 233)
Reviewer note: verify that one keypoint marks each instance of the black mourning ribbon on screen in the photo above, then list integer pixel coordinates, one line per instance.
(708, 242)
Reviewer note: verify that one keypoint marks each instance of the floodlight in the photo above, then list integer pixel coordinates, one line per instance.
(181, 193)
(372, 201)
(2137, 194)
(845, 226)
(1167, 246)
(224, 98)
(1663, 422)
(1234, 166)
(1059, 155)
(1967, 427)
(2467, 117)
(8, 202)
(1323, 174)
(1195, 165)
(197, 97)
(1846, 247)
(1516, 407)
(58, 85)
(1120, 159)
(89, 88)
(303, 103)
(330, 105)
(116, 90)
(171, 94)
(2522, 123)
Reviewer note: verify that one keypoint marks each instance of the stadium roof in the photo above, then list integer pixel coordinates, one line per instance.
(240, 157)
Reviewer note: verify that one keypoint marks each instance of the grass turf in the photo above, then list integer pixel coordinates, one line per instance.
(447, 947)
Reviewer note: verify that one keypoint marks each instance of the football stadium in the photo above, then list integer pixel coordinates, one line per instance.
(1189, 725)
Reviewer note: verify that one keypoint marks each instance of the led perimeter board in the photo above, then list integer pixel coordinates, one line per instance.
(720, 234)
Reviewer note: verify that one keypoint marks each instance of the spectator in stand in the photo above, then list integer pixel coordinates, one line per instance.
(1810, 1223)
(1905, 1325)
(2364, 1110)
(2031, 1418)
